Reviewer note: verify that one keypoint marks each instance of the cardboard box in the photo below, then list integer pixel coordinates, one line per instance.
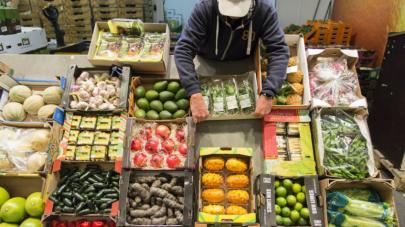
(145, 67)
(188, 213)
(351, 56)
(297, 48)
(241, 153)
(265, 192)
(37, 87)
(17, 185)
(384, 187)
(52, 181)
(29, 39)
(273, 164)
(147, 83)
(187, 160)
(74, 72)
(360, 117)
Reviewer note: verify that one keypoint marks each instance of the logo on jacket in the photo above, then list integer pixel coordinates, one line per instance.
(245, 35)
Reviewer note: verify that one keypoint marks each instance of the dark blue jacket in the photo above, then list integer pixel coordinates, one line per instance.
(209, 35)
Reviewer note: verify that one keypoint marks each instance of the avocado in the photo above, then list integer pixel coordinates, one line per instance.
(140, 92)
(166, 96)
(181, 94)
(173, 86)
(160, 86)
(156, 105)
(179, 114)
(152, 115)
(170, 106)
(140, 113)
(165, 115)
(182, 104)
(151, 95)
(143, 104)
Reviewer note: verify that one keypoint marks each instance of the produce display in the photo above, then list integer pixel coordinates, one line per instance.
(158, 146)
(229, 96)
(352, 207)
(288, 141)
(291, 206)
(82, 223)
(25, 104)
(292, 90)
(19, 211)
(147, 48)
(165, 100)
(156, 200)
(23, 150)
(333, 82)
(346, 150)
(85, 191)
(98, 91)
(93, 137)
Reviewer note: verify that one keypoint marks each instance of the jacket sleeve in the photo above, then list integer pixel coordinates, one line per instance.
(193, 34)
(276, 51)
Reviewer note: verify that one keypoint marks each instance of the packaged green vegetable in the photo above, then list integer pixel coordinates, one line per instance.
(206, 93)
(108, 46)
(218, 97)
(231, 95)
(344, 220)
(246, 95)
(381, 211)
(346, 148)
(364, 194)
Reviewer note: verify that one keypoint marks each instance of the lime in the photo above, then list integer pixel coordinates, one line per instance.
(279, 220)
(295, 215)
(281, 201)
(303, 189)
(304, 213)
(4, 195)
(34, 205)
(301, 197)
(276, 183)
(287, 221)
(298, 206)
(13, 210)
(31, 222)
(281, 191)
(296, 188)
(287, 183)
(277, 208)
(302, 222)
(291, 200)
(285, 212)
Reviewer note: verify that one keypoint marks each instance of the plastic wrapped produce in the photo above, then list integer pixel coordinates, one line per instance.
(246, 96)
(108, 46)
(218, 97)
(231, 96)
(206, 93)
(344, 220)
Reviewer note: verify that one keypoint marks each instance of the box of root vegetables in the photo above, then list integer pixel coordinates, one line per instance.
(368, 202)
(160, 145)
(291, 201)
(225, 187)
(287, 143)
(343, 146)
(156, 198)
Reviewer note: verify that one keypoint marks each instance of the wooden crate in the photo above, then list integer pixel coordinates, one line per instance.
(125, 3)
(104, 3)
(44, 3)
(384, 164)
(104, 14)
(77, 3)
(132, 13)
(334, 30)
(345, 35)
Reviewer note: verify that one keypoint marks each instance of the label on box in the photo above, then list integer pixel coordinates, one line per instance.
(231, 102)
(244, 101)
(292, 69)
(219, 105)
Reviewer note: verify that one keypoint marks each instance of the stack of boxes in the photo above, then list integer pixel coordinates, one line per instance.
(78, 23)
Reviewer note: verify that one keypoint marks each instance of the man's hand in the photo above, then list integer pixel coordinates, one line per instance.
(198, 108)
(263, 106)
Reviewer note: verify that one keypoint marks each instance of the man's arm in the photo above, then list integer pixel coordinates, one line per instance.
(276, 51)
(193, 34)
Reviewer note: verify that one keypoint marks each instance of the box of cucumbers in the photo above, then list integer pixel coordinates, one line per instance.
(157, 99)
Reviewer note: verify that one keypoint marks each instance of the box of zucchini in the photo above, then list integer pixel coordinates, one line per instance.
(155, 198)
(80, 190)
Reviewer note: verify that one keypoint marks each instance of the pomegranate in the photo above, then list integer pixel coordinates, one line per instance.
(183, 149)
(162, 131)
(168, 146)
(180, 135)
(152, 146)
(136, 144)
(140, 160)
(173, 161)
(156, 161)
(146, 133)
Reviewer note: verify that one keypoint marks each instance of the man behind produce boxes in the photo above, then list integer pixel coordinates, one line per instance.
(227, 30)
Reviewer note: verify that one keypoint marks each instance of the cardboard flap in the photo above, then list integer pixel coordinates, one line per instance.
(246, 151)
(7, 82)
(350, 55)
(288, 115)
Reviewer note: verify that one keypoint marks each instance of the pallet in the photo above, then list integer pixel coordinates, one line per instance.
(104, 14)
(104, 3)
(197, 224)
(399, 175)
(77, 3)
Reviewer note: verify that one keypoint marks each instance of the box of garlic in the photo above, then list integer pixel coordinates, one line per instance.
(96, 89)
